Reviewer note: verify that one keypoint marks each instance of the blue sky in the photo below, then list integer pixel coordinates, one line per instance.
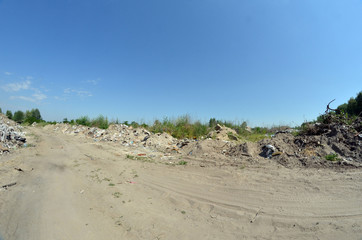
(262, 61)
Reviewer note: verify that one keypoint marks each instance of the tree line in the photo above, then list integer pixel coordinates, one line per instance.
(353, 107)
(29, 116)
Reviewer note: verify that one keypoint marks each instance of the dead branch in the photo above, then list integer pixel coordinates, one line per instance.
(331, 109)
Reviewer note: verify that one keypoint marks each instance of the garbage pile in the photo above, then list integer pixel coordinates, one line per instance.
(11, 135)
(223, 133)
(320, 144)
(125, 135)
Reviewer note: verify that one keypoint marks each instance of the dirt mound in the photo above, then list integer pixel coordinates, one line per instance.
(223, 133)
(11, 134)
(208, 148)
(123, 134)
(332, 144)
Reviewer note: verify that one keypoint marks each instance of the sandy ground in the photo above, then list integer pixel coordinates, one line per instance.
(75, 188)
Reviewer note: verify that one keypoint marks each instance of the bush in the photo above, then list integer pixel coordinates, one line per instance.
(18, 116)
(84, 120)
(9, 114)
(332, 157)
(100, 122)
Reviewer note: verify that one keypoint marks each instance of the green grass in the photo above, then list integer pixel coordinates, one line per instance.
(332, 157)
(182, 162)
(140, 158)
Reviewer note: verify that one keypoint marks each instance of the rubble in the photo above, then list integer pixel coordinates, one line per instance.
(121, 133)
(223, 133)
(11, 135)
(310, 147)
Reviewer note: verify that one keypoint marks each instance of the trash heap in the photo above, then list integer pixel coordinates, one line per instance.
(319, 144)
(11, 135)
(121, 133)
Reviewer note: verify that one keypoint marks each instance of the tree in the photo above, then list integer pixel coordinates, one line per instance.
(18, 116)
(36, 113)
(1, 111)
(9, 114)
(32, 116)
(359, 103)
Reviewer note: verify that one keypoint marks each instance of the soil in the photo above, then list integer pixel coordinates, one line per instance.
(69, 186)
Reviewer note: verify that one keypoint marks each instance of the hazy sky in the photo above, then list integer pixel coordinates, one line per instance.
(266, 62)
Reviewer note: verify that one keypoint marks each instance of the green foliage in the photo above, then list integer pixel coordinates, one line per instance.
(65, 120)
(181, 127)
(353, 107)
(1, 111)
(18, 116)
(182, 163)
(100, 122)
(332, 157)
(9, 114)
(84, 120)
(32, 116)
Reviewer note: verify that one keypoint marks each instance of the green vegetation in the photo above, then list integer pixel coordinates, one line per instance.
(18, 116)
(181, 127)
(117, 194)
(140, 158)
(99, 122)
(9, 114)
(353, 107)
(332, 157)
(182, 163)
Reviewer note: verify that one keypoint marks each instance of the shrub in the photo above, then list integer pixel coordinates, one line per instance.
(100, 122)
(332, 157)
(18, 116)
(84, 120)
(9, 114)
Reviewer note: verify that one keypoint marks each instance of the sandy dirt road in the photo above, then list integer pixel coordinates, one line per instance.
(75, 188)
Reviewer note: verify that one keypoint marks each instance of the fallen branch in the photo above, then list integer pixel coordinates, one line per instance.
(257, 213)
(9, 185)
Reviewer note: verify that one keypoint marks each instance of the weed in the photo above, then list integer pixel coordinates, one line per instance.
(140, 158)
(182, 162)
(183, 212)
(111, 184)
(117, 194)
(332, 157)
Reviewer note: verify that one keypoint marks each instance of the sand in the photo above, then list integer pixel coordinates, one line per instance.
(75, 188)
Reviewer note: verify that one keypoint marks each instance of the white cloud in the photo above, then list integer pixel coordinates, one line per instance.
(84, 94)
(8, 73)
(79, 93)
(39, 96)
(67, 90)
(29, 99)
(14, 87)
(94, 82)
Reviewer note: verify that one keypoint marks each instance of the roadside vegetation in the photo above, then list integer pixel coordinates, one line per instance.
(184, 127)
(345, 113)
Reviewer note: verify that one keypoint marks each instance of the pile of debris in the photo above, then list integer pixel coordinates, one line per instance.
(320, 144)
(223, 133)
(11, 135)
(125, 135)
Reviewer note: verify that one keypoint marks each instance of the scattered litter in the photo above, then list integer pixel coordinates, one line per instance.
(19, 169)
(81, 191)
(11, 135)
